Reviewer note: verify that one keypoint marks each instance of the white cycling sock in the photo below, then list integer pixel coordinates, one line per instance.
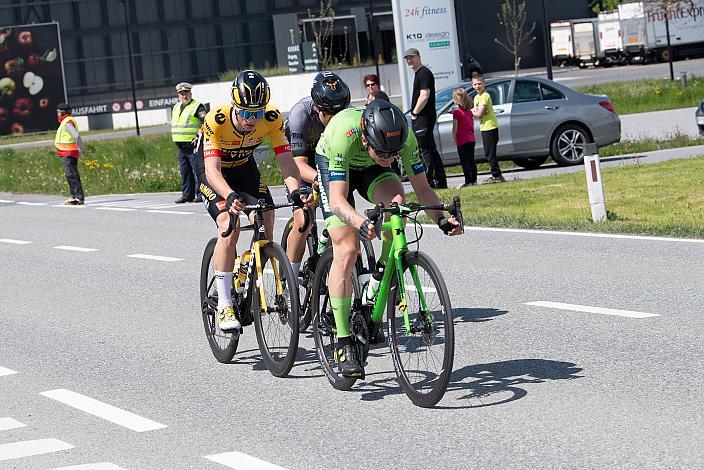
(223, 282)
(296, 268)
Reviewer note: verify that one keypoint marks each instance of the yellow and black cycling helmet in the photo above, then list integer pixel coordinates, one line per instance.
(250, 90)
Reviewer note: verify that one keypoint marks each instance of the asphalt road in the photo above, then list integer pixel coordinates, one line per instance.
(534, 386)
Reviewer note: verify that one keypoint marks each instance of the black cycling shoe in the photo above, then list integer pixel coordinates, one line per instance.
(349, 364)
(378, 336)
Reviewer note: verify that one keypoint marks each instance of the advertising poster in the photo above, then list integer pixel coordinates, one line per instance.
(430, 27)
(31, 78)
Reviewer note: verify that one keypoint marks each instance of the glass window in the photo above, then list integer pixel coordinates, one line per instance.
(443, 97)
(498, 92)
(549, 93)
(147, 12)
(526, 91)
(229, 8)
(176, 10)
(256, 6)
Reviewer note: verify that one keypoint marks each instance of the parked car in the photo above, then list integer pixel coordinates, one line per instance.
(700, 117)
(537, 117)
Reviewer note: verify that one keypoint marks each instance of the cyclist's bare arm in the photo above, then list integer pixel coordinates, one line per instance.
(341, 208)
(289, 170)
(308, 173)
(427, 196)
(214, 176)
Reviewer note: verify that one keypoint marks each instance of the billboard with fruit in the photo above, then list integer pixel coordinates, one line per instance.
(31, 78)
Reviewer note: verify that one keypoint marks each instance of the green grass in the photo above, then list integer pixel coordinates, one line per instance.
(665, 199)
(641, 96)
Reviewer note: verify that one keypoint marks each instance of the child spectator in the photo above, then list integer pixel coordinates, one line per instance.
(463, 135)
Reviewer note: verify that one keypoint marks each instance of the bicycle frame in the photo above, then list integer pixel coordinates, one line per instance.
(394, 265)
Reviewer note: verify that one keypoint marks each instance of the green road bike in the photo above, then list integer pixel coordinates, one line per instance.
(413, 294)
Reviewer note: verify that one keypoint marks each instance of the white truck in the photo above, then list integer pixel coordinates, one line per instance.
(644, 30)
(561, 40)
(610, 39)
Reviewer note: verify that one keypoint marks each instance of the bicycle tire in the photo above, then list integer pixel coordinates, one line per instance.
(424, 387)
(277, 328)
(223, 345)
(323, 322)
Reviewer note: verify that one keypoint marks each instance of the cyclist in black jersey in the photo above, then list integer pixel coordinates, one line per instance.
(305, 124)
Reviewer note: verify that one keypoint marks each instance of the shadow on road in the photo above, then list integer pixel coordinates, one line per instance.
(476, 315)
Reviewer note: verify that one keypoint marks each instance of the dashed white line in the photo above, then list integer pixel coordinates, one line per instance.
(5, 371)
(154, 257)
(588, 309)
(6, 200)
(16, 450)
(9, 423)
(69, 206)
(24, 203)
(92, 466)
(14, 242)
(241, 461)
(122, 209)
(75, 248)
(103, 410)
(157, 211)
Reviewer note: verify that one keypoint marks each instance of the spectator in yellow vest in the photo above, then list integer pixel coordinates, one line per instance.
(186, 118)
(69, 146)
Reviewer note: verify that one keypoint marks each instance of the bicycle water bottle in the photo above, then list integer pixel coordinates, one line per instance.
(373, 284)
(242, 273)
(322, 241)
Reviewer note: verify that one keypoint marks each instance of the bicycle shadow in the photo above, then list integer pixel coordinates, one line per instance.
(476, 315)
(482, 385)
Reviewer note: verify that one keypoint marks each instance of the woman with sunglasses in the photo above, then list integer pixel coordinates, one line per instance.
(355, 153)
(231, 178)
(371, 84)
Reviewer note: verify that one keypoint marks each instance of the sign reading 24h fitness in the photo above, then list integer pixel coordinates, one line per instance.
(430, 27)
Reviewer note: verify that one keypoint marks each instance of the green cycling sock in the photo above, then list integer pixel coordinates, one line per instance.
(341, 309)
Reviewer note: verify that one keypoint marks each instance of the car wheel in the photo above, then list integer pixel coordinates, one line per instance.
(530, 163)
(568, 144)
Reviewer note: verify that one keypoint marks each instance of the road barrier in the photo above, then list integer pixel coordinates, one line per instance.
(594, 183)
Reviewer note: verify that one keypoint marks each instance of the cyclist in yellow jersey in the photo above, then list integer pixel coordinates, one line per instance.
(231, 178)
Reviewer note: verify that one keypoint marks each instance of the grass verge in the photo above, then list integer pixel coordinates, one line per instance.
(665, 199)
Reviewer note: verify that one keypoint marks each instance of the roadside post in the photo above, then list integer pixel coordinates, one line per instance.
(594, 182)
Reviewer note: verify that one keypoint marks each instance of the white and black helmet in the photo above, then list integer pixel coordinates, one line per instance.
(330, 94)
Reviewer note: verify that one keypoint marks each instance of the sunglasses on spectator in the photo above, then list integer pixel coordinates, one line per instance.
(248, 115)
(369, 84)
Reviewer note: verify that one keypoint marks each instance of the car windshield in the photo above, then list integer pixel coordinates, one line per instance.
(442, 97)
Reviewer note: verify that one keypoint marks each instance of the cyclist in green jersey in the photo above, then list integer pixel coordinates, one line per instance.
(355, 153)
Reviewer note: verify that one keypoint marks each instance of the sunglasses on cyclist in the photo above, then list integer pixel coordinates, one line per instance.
(385, 155)
(248, 115)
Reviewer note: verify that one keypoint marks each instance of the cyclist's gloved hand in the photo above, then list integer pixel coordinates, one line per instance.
(446, 225)
(299, 196)
(231, 198)
(366, 230)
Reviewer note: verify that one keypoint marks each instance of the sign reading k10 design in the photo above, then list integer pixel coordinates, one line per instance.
(430, 27)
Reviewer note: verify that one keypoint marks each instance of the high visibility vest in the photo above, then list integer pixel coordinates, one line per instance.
(63, 140)
(184, 125)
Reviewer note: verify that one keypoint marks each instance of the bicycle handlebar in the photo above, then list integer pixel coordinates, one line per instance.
(260, 207)
(454, 208)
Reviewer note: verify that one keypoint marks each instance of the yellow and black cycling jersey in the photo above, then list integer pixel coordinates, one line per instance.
(223, 140)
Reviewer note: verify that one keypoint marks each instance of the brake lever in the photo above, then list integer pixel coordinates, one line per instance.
(373, 216)
(230, 227)
(456, 211)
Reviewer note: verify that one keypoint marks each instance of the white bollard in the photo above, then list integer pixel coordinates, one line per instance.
(594, 183)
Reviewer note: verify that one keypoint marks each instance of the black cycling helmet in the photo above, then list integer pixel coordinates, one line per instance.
(250, 90)
(330, 94)
(384, 126)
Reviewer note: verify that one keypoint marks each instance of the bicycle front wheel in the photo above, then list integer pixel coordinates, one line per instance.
(424, 348)
(276, 312)
(223, 345)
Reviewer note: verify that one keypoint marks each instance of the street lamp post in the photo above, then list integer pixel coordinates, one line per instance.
(371, 39)
(129, 53)
(546, 39)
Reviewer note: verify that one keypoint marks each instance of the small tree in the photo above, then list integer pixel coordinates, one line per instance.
(603, 5)
(322, 31)
(513, 19)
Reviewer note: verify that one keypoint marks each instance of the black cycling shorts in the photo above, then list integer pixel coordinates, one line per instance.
(245, 180)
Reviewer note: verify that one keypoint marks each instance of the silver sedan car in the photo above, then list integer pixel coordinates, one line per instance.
(537, 117)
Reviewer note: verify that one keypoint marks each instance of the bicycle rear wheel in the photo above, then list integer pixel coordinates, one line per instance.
(223, 345)
(276, 319)
(424, 355)
(324, 331)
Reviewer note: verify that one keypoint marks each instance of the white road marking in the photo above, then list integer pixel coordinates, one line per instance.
(169, 212)
(576, 234)
(103, 410)
(4, 371)
(92, 466)
(588, 309)
(24, 203)
(425, 288)
(18, 450)
(14, 242)
(124, 209)
(6, 200)
(75, 248)
(242, 461)
(9, 423)
(154, 257)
